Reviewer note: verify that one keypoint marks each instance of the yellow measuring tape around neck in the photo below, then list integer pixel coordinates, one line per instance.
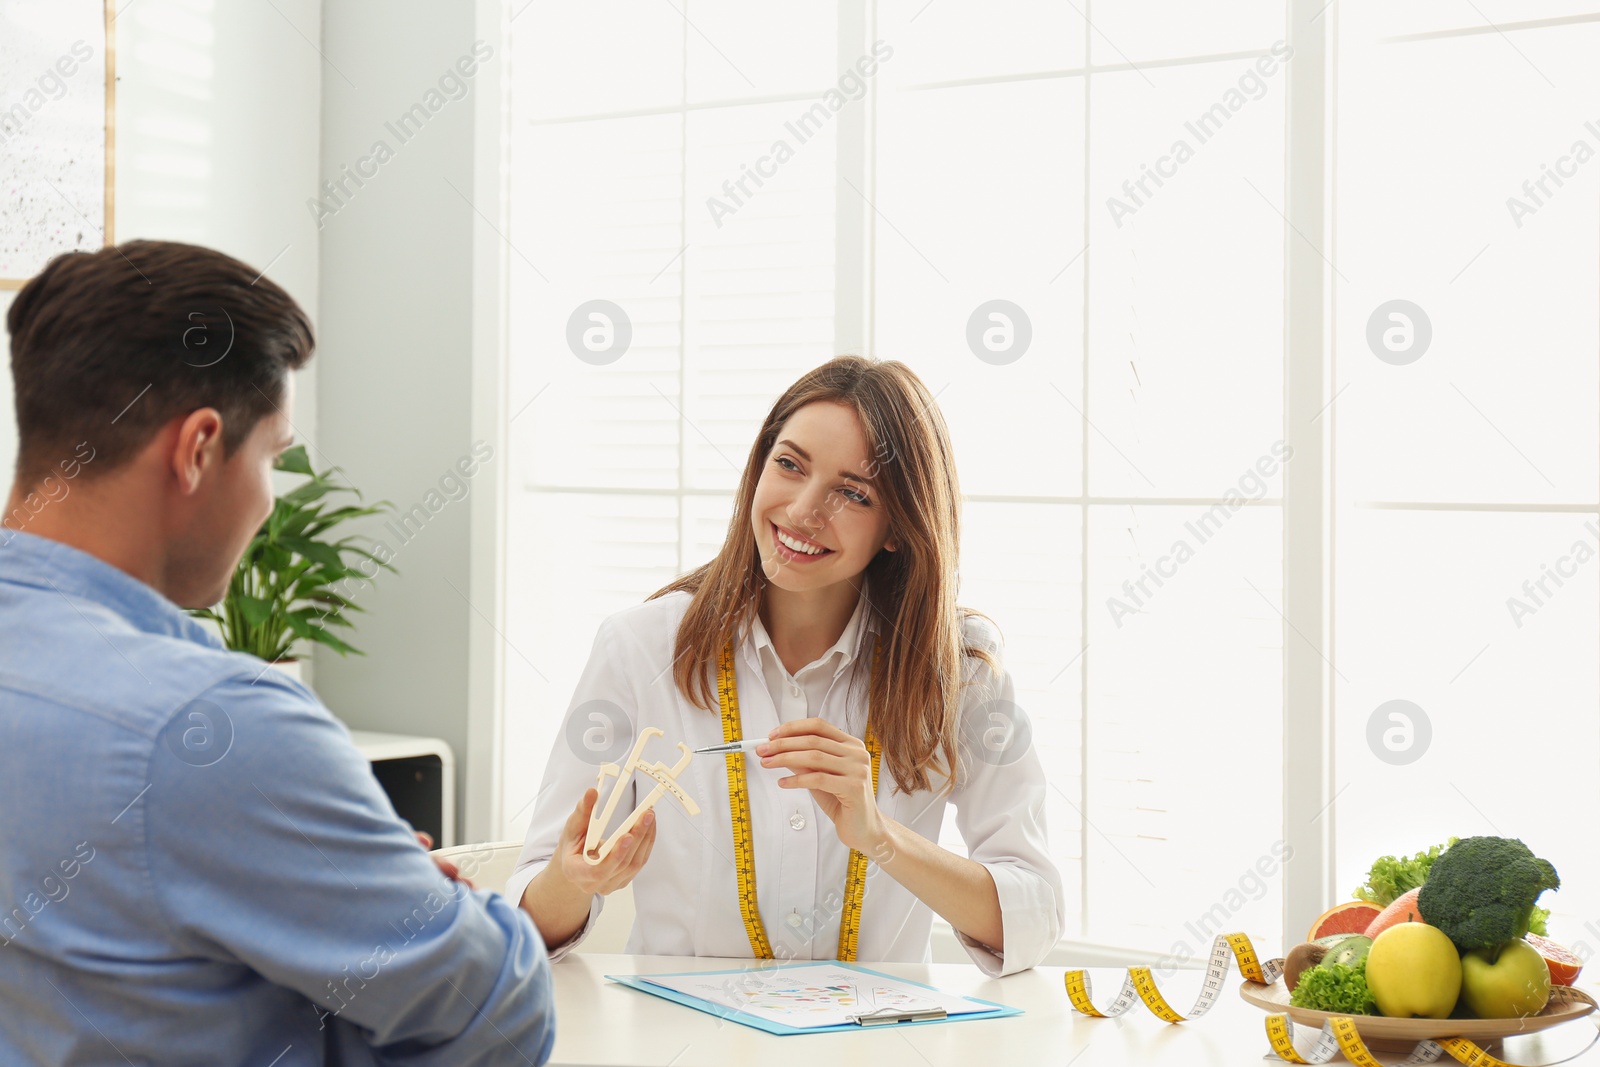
(743, 844)
(1339, 1035)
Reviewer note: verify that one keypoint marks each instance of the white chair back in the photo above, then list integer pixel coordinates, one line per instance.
(488, 863)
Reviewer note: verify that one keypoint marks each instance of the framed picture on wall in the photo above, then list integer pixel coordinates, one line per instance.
(57, 91)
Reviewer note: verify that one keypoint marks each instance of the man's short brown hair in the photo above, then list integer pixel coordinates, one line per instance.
(107, 347)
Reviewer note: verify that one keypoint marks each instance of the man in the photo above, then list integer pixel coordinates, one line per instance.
(196, 865)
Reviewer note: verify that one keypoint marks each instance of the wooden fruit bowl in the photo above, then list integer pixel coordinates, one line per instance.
(1566, 1004)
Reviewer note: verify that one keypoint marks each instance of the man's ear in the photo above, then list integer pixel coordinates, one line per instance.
(198, 449)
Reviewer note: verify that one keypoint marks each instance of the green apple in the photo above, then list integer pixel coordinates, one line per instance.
(1414, 971)
(1506, 984)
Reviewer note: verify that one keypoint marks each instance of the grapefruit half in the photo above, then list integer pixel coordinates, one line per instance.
(1564, 964)
(1351, 917)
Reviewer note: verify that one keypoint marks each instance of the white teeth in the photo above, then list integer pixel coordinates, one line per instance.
(796, 546)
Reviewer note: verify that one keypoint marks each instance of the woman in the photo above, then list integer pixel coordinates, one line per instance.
(831, 605)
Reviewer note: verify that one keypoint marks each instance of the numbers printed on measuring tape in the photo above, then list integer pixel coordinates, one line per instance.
(1340, 1035)
(739, 804)
(743, 840)
(1140, 987)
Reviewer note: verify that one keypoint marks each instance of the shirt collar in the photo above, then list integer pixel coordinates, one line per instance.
(861, 618)
(26, 559)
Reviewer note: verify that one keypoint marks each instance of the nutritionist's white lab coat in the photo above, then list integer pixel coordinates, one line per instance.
(686, 896)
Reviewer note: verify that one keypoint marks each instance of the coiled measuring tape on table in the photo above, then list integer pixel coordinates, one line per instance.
(1140, 985)
(743, 840)
(1339, 1035)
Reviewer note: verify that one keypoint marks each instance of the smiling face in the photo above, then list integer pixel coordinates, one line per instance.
(816, 493)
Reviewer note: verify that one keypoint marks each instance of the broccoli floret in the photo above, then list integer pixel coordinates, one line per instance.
(1481, 891)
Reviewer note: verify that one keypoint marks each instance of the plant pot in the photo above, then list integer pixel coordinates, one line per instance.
(298, 669)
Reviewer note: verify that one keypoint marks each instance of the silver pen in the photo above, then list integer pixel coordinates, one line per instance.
(748, 745)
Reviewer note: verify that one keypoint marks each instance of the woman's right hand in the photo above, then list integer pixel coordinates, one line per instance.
(619, 867)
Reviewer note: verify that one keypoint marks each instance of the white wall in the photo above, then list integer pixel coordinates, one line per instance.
(217, 144)
(403, 343)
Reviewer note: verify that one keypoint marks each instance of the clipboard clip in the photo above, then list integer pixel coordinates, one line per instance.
(889, 1016)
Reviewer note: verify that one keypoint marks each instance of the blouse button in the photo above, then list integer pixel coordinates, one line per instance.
(797, 821)
(795, 689)
(794, 919)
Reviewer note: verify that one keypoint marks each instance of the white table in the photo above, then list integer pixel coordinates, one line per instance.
(600, 1022)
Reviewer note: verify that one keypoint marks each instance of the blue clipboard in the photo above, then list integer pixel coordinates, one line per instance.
(642, 983)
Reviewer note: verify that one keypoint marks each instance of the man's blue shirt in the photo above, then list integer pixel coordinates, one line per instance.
(198, 868)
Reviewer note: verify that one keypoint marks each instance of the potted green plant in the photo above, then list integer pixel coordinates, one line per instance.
(285, 588)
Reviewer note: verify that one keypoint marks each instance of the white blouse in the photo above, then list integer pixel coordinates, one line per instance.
(686, 896)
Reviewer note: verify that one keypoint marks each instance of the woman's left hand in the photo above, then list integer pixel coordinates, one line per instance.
(837, 769)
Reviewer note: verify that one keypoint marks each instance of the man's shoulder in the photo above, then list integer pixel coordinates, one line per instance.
(134, 680)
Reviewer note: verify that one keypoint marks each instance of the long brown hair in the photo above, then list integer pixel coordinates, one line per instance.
(915, 694)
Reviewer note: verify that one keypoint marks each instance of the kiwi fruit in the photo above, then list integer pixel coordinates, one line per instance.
(1302, 958)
